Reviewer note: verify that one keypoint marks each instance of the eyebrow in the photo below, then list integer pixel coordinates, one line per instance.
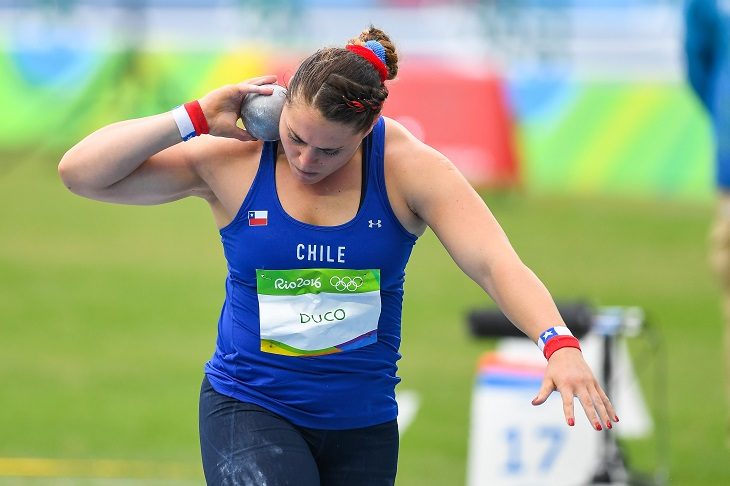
(292, 132)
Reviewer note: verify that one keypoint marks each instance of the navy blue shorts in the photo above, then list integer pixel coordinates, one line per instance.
(246, 445)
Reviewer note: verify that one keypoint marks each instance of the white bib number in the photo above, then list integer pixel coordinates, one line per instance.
(317, 311)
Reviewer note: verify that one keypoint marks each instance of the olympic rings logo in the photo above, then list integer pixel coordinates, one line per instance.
(350, 284)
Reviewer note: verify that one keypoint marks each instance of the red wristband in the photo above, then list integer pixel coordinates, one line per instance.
(559, 342)
(195, 112)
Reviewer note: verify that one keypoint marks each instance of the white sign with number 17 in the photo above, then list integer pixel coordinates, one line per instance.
(512, 442)
(515, 443)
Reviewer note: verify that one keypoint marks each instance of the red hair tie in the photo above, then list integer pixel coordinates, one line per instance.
(370, 56)
(356, 105)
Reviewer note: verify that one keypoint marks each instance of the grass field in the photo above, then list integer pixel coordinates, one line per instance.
(107, 314)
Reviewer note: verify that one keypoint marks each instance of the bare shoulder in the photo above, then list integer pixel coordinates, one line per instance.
(211, 156)
(228, 168)
(221, 162)
(414, 170)
(404, 153)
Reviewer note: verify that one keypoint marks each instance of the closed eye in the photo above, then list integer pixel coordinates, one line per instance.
(298, 141)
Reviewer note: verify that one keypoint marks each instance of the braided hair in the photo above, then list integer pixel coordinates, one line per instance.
(344, 86)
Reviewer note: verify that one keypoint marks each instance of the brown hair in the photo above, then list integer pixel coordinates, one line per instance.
(344, 86)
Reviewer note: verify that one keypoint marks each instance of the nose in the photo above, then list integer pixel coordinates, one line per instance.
(307, 157)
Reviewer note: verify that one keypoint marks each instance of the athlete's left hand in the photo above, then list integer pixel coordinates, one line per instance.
(569, 374)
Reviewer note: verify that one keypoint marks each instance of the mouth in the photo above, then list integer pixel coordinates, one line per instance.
(303, 173)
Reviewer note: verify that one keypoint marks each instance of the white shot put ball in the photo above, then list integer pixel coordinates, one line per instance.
(260, 113)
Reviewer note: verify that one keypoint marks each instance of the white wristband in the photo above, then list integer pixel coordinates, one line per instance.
(548, 334)
(184, 123)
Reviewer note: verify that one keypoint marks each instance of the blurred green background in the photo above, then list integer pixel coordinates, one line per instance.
(107, 313)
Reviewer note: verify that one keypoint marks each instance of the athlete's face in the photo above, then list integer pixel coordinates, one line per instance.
(315, 147)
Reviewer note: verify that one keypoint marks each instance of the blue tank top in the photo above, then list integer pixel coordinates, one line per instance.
(311, 324)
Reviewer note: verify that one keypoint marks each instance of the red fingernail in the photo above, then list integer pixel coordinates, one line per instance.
(615, 418)
(608, 424)
(571, 422)
(598, 426)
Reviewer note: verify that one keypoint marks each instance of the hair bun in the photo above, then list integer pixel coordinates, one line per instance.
(390, 56)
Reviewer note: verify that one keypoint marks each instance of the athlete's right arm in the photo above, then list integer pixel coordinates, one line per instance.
(142, 161)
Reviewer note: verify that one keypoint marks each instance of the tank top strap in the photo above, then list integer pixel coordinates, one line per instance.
(374, 158)
(377, 193)
(262, 181)
(267, 164)
(266, 174)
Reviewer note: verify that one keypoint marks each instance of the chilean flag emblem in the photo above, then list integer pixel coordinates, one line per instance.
(258, 218)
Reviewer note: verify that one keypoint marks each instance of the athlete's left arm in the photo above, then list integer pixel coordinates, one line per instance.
(440, 196)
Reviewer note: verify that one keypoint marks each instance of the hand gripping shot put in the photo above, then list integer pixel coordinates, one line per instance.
(260, 113)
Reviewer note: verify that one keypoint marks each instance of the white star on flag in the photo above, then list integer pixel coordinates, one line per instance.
(547, 334)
